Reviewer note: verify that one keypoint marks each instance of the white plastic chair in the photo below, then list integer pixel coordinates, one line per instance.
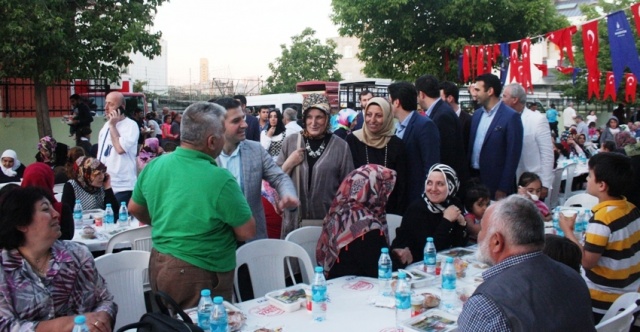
(393, 222)
(585, 201)
(307, 237)
(571, 170)
(139, 238)
(620, 315)
(265, 260)
(554, 194)
(123, 273)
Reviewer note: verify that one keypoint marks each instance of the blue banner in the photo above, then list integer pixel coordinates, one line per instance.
(622, 46)
(504, 67)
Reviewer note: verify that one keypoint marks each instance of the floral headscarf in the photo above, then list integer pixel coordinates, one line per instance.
(10, 172)
(453, 184)
(87, 167)
(623, 139)
(381, 139)
(359, 207)
(48, 144)
(150, 150)
(345, 118)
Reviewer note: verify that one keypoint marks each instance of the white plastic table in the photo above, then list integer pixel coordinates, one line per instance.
(103, 236)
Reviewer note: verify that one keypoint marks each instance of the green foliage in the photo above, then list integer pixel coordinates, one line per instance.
(403, 39)
(579, 90)
(305, 60)
(138, 86)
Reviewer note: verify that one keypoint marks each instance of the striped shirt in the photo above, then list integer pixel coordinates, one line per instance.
(613, 232)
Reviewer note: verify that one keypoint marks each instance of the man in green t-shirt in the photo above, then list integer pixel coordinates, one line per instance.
(196, 209)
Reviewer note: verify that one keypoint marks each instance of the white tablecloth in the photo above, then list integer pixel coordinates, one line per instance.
(349, 307)
(103, 236)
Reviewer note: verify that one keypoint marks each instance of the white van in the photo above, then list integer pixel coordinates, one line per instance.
(280, 101)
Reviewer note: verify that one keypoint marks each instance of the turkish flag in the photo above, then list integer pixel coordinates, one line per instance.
(609, 87)
(542, 67)
(562, 38)
(513, 60)
(521, 75)
(565, 70)
(490, 58)
(466, 66)
(630, 88)
(593, 85)
(474, 52)
(590, 41)
(480, 60)
(635, 9)
(525, 46)
(496, 52)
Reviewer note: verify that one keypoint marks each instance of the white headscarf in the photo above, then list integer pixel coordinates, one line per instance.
(11, 172)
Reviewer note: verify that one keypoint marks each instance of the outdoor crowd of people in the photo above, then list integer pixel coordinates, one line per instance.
(214, 177)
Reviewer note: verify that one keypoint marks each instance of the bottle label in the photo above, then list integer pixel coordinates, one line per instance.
(384, 272)
(403, 300)
(449, 281)
(430, 259)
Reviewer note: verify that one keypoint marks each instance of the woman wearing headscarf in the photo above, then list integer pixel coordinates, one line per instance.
(438, 215)
(355, 229)
(317, 162)
(273, 136)
(91, 185)
(610, 130)
(150, 150)
(346, 121)
(40, 175)
(376, 143)
(53, 154)
(12, 168)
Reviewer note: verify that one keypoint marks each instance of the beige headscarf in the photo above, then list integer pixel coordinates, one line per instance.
(381, 139)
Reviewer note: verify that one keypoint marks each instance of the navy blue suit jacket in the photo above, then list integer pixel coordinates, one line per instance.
(253, 128)
(452, 150)
(422, 143)
(501, 149)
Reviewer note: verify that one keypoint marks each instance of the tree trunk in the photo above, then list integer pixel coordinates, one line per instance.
(42, 109)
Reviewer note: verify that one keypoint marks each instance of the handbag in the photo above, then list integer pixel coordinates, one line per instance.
(163, 320)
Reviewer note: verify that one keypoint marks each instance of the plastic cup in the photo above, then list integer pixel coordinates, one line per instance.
(307, 292)
(98, 219)
(569, 213)
(416, 304)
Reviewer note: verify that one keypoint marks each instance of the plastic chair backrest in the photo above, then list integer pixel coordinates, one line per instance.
(123, 273)
(620, 315)
(265, 260)
(571, 172)
(140, 239)
(585, 201)
(393, 222)
(554, 194)
(307, 237)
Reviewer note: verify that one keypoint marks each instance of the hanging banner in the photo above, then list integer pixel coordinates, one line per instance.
(513, 61)
(609, 87)
(562, 38)
(574, 76)
(480, 60)
(635, 9)
(622, 46)
(630, 88)
(490, 60)
(466, 66)
(565, 70)
(525, 46)
(543, 68)
(591, 42)
(504, 66)
(593, 85)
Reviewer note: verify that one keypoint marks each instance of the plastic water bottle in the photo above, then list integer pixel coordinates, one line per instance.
(556, 221)
(582, 158)
(430, 256)
(123, 215)
(204, 309)
(77, 214)
(109, 218)
(384, 272)
(403, 300)
(578, 228)
(218, 321)
(449, 296)
(79, 324)
(319, 295)
(573, 157)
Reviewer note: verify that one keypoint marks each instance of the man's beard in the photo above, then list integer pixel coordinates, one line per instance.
(482, 254)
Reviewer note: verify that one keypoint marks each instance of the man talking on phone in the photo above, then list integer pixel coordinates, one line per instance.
(117, 144)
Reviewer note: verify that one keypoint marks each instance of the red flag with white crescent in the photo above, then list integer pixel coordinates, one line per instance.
(591, 45)
(474, 60)
(593, 85)
(513, 60)
(480, 60)
(630, 87)
(562, 38)
(635, 9)
(543, 68)
(525, 46)
(466, 66)
(490, 61)
(609, 87)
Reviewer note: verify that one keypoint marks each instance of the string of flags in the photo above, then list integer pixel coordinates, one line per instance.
(480, 59)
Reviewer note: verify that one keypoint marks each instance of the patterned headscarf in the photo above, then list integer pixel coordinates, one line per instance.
(150, 150)
(11, 172)
(453, 184)
(381, 139)
(624, 138)
(345, 118)
(359, 207)
(48, 144)
(87, 167)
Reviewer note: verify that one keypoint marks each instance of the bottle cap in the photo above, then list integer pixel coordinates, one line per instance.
(205, 292)
(402, 275)
(123, 203)
(78, 201)
(319, 269)
(108, 204)
(449, 259)
(429, 239)
(218, 300)
(384, 250)
(79, 319)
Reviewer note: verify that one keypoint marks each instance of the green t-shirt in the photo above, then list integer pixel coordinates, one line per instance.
(193, 205)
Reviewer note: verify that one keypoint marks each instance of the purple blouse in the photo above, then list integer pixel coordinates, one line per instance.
(71, 287)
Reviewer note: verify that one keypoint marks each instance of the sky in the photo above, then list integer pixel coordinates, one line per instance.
(239, 38)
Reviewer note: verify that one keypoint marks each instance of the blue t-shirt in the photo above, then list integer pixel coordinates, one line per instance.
(552, 115)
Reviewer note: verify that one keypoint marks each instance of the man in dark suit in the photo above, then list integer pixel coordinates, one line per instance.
(451, 144)
(495, 139)
(365, 96)
(450, 93)
(419, 134)
(253, 127)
